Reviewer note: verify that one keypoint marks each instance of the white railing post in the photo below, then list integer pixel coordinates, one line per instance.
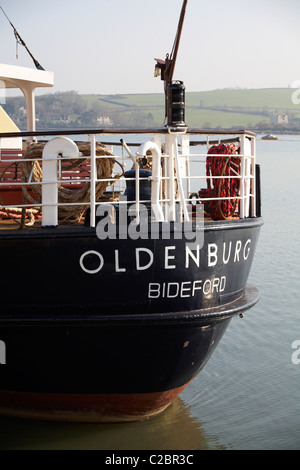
(157, 139)
(180, 186)
(253, 169)
(53, 150)
(155, 178)
(92, 139)
(137, 192)
(185, 149)
(242, 185)
(170, 183)
(247, 175)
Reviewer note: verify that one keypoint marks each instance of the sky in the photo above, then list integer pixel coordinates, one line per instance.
(109, 46)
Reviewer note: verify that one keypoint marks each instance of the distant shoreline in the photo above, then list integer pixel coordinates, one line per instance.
(258, 110)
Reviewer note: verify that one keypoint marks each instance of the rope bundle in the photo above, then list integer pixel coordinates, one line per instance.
(227, 186)
(31, 170)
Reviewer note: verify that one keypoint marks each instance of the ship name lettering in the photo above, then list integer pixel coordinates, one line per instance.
(183, 289)
(235, 252)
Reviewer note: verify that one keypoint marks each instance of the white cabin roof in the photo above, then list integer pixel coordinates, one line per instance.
(27, 80)
(14, 76)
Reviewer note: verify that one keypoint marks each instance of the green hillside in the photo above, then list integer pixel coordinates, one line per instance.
(275, 98)
(256, 98)
(217, 108)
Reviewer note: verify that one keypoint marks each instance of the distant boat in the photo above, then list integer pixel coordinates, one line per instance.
(270, 137)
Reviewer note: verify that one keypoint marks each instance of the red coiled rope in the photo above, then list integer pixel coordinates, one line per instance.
(228, 186)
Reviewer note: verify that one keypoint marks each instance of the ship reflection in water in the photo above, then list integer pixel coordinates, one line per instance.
(174, 429)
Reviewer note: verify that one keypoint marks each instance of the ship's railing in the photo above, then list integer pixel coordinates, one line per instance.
(177, 166)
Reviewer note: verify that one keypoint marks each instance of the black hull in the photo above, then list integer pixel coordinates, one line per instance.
(58, 271)
(122, 342)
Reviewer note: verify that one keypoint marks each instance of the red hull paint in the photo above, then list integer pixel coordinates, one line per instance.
(86, 407)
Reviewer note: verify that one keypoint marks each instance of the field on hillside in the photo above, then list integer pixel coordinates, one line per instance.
(217, 108)
(274, 98)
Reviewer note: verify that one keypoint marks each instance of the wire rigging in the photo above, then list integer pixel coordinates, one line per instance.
(22, 43)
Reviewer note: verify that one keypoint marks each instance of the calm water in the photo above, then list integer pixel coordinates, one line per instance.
(247, 397)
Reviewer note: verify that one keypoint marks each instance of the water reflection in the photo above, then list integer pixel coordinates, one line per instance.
(175, 429)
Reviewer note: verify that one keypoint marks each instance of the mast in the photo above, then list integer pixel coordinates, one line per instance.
(165, 68)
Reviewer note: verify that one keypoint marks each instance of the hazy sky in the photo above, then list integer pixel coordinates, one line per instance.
(108, 46)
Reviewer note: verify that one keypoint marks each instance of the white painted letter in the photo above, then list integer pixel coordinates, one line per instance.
(169, 295)
(195, 287)
(117, 267)
(189, 253)
(185, 289)
(248, 251)
(237, 250)
(207, 282)
(212, 254)
(91, 271)
(168, 257)
(222, 283)
(225, 261)
(154, 290)
(137, 257)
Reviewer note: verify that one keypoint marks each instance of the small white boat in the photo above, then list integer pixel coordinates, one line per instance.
(269, 137)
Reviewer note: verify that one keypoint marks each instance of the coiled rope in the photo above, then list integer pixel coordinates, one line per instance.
(227, 186)
(31, 172)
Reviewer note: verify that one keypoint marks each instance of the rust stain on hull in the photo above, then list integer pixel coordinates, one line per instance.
(86, 407)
